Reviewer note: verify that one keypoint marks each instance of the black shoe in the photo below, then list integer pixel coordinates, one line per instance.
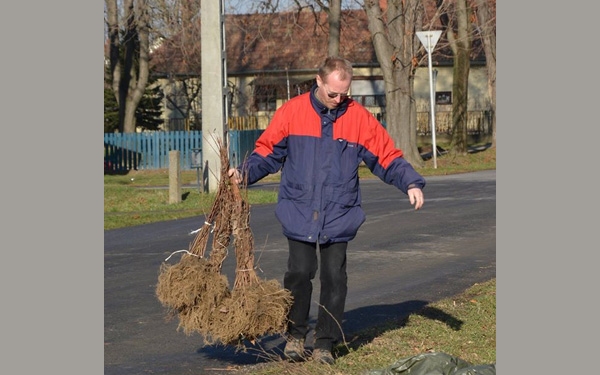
(294, 350)
(323, 356)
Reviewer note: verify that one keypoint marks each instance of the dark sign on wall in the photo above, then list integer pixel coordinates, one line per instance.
(443, 97)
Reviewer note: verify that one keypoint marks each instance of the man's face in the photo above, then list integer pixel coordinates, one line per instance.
(332, 90)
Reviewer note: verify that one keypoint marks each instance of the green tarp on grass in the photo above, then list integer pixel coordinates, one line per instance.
(434, 364)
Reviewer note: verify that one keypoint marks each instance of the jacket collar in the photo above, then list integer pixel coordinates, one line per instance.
(323, 111)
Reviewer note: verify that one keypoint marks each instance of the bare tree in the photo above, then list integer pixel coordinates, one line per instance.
(184, 97)
(129, 46)
(176, 28)
(459, 34)
(486, 18)
(333, 8)
(394, 38)
(176, 23)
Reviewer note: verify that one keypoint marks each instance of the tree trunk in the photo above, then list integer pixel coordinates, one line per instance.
(334, 15)
(130, 75)
(487, 21)
(333, 8)
(395, 43)
(460, 85)
(112, 20)
(460, 42)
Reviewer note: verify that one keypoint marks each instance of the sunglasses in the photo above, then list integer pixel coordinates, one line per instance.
(333, 95)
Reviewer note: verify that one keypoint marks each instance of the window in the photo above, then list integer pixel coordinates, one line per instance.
(268, 91)
(370, 100)
(443, 97)
(265, 97)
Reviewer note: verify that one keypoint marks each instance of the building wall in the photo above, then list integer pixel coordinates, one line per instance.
(478, 98)
(241, 88)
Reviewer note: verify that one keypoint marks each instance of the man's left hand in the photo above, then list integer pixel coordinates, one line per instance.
(416, 198)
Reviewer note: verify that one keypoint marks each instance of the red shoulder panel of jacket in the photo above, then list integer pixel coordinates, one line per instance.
(295, 117)
(359, 126)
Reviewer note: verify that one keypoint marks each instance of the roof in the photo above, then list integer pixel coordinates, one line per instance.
(293, 41)
(275, 42)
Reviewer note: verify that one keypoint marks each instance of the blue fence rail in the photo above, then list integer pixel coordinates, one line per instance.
(150, 150)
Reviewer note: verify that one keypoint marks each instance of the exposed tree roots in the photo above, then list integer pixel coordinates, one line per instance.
(195, 290)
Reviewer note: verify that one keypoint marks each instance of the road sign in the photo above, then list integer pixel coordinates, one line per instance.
(429, 38)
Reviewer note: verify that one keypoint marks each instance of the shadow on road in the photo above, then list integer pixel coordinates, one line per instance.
(360, 325)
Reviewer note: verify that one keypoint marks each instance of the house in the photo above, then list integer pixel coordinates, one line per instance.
(273, 57)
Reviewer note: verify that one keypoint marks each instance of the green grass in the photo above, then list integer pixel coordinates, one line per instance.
(134, 198)
(452, 164)
(463, 326)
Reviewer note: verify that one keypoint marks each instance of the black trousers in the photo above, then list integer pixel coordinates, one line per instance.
(302, 268)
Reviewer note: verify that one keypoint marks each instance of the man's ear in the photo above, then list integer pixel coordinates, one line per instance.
(319, 80)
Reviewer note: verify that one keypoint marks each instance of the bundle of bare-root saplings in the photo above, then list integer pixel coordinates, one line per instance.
(195, 290)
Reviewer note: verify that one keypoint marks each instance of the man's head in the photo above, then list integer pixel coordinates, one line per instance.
(333, 81)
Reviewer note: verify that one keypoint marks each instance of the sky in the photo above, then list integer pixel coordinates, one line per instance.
(249, 6)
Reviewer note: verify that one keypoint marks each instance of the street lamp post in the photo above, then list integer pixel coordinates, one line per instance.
(429, 39)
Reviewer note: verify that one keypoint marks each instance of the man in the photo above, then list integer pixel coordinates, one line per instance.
(318, 140)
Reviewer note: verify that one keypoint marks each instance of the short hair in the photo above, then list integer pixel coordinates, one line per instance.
(335, 64)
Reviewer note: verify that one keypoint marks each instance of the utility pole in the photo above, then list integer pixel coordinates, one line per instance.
(214, 89)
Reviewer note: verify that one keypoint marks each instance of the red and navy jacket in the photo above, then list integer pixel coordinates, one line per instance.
(318, 151)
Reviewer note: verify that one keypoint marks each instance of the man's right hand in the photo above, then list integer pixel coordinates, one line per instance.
(235, 175)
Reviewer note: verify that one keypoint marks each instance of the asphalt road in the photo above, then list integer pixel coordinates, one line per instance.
(400, 260)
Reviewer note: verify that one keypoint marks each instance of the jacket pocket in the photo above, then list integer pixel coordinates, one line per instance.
(294, 211)
(343, 214)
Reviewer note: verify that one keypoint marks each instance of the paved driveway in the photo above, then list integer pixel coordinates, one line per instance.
(399, 261)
